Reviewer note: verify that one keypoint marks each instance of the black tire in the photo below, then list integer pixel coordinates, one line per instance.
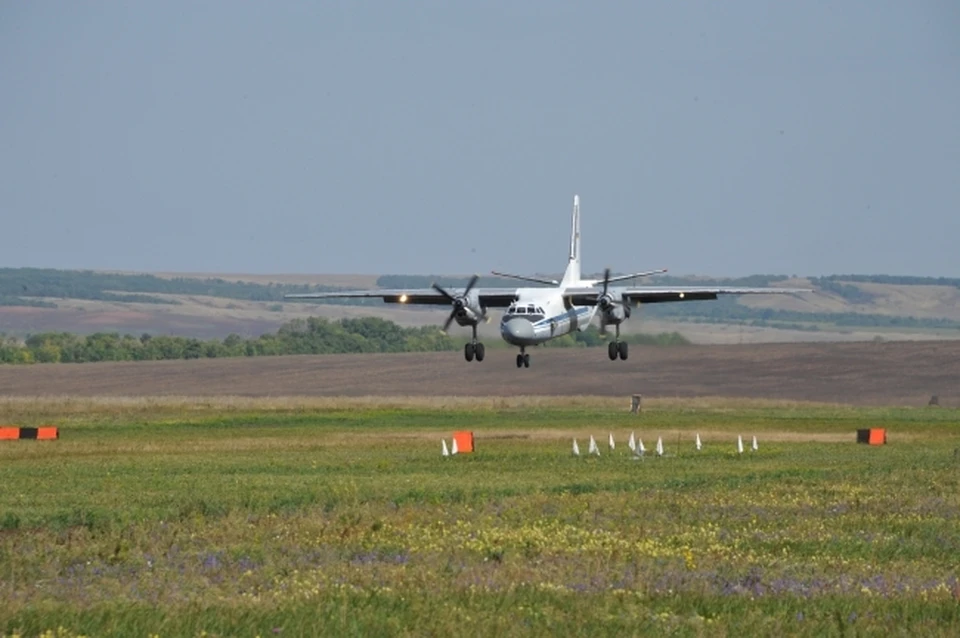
(519, 360)
(468, 352)
(612, 350)
(479, 351)
(623, 350)
(526, 361)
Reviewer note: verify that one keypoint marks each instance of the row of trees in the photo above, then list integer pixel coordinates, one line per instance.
(33, 286)
(37, 286)
(848, 292)
(727, 310)
(425, 281)
(300, 336)
(899, 280)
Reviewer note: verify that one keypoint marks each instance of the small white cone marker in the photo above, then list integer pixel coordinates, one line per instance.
(632, 443)
(754, 446)
(611, 443)
(739, 444)
(576, 448)
(445, 451)
(593, 449)
(453, 447)
(659, 446)
(699, 444)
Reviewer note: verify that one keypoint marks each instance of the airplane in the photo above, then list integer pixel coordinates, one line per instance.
(535, 315)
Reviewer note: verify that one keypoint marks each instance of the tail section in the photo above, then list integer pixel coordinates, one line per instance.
(571, 275)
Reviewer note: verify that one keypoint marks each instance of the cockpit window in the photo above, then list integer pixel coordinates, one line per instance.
(525, 310)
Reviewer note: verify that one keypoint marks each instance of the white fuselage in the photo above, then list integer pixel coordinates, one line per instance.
(539, 314)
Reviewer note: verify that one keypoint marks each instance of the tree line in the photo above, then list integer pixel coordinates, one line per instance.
(36, 286)
(39, 286)
(727, 310)
(899, 280)
(300, 336)
(425, 281)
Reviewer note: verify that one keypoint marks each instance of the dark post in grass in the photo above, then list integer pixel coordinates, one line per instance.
(934, 400)
(635, 403)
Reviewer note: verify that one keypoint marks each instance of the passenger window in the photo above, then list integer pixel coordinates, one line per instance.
(521, 311)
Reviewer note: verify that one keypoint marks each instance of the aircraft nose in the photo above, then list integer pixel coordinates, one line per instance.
(517, 330)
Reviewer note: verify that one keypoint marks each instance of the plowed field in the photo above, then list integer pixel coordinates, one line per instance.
(890, 373)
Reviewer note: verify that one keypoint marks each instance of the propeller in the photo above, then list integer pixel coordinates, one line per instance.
(605, 302)
(459, 302)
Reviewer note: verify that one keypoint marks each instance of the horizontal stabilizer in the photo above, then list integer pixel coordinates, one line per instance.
(639, 274)
(537, 280)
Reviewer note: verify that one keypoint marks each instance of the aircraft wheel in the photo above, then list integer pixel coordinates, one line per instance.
(468, 352)
(479, 351)
(519, 360)
(612, 350)
(623, 350)
(526, 361)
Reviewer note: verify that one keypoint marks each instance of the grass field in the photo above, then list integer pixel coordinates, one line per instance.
(299, 517)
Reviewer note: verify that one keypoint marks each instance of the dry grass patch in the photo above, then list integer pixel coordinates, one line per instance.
(72, 405)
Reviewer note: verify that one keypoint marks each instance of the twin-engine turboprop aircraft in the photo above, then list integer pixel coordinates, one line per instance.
(536, 315)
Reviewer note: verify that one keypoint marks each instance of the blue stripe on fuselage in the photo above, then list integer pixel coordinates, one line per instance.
(565, 315)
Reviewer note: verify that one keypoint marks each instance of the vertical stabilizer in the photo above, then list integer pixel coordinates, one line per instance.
(571, 277)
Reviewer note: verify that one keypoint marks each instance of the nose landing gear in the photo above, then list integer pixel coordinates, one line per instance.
(523, 359)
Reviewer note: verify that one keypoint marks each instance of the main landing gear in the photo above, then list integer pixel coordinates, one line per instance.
(523, 359)
(474, 348)
(617, 348)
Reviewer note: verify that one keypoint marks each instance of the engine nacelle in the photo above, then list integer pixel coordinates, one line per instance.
(467, 310)
(614, 314)
(468, 316)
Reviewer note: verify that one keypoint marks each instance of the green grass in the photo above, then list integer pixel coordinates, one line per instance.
(278, 517)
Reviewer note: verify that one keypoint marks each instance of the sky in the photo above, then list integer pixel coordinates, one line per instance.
(449, 137)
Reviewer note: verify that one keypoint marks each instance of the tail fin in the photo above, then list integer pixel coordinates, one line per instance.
(572, 274)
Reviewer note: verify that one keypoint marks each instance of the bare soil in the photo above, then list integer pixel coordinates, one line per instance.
(887, 373)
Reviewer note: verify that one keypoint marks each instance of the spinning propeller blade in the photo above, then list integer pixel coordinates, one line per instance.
(458, 301)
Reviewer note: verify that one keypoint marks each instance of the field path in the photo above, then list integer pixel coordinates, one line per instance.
(889, 373)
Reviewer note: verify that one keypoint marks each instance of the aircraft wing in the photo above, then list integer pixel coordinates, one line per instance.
(660, 294)
(488, 297)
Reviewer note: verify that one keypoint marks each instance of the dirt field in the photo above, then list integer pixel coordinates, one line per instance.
(891, 373)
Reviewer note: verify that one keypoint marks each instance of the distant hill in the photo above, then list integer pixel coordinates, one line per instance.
(201, 305)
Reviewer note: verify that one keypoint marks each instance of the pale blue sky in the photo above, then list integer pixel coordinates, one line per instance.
(719, 138)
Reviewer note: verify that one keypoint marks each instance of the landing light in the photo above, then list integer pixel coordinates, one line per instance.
(681, 295)
(403, 299)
